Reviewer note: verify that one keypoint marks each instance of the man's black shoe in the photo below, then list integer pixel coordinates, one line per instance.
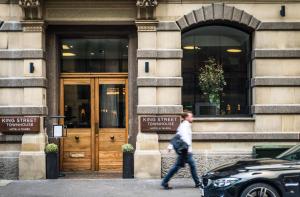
(166, 186)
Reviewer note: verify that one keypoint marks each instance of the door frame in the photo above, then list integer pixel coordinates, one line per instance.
(93, 79)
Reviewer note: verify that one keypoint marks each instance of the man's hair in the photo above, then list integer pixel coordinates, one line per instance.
(185, 114)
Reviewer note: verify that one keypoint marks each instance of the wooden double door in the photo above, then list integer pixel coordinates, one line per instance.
(95, 111)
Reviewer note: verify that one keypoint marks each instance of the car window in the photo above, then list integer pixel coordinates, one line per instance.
(292, 154)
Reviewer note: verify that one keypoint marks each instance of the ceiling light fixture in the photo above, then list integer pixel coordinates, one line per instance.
(190, 47)
(234, 50)
(69, 54)
(65, 47)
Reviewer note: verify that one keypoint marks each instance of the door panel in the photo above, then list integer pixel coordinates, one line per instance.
(77, 108)
(112, 105)
(95, 113)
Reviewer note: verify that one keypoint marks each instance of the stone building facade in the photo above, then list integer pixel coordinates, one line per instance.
(151, 37)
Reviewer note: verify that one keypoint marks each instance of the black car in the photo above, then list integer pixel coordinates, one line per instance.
(278, 177)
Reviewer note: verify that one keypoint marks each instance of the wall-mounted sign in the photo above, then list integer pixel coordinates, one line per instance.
(159, 123)
(58, 130)
(27, 124)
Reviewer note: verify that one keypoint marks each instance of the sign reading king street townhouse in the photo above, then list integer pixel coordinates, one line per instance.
(25, 124)
(159, 123)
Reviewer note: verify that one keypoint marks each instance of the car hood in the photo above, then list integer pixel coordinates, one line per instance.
(248, 165)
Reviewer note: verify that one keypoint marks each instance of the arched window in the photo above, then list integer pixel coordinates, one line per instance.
(216, 70)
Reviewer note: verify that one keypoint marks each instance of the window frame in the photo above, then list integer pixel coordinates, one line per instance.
(249, 65)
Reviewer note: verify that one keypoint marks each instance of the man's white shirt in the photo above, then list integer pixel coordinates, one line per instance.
(185, 132)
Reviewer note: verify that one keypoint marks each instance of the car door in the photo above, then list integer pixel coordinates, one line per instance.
(291, 181)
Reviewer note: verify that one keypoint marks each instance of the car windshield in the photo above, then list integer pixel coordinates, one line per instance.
(291, 154)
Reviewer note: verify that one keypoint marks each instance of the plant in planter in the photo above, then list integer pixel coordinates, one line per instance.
(52, 169)
(211, 81)
(128, 161)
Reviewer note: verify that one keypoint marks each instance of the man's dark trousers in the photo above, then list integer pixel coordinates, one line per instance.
(189, 159)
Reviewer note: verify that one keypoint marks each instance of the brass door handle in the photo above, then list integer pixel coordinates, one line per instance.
(77, 138)
(112, 138)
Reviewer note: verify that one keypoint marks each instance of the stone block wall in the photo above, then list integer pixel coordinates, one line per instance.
(23, 86)
(204, 162)
(10, 146)
(9, 165)
(275, 79)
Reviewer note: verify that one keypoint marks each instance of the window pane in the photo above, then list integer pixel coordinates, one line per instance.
(229, 48)
(94, 55)
(112, 106)
(77, 106)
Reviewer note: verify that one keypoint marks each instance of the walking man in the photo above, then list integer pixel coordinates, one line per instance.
(185, 132)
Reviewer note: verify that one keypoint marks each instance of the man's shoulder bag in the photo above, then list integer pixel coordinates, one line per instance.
(179, 145)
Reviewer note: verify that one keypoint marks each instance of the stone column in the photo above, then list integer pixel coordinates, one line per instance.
(159, 89)
(32, 156)
(147, 156)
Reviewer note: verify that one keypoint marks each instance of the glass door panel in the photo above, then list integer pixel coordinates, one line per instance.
(112, 105)
(77, 105)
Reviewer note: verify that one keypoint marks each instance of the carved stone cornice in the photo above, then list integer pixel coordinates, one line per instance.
(146, 3)
(32, 9)
(146, 25)
(33, 26)
(146, 9)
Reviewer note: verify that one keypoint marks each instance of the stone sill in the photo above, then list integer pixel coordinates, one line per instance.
(224, 119)
(239, 136)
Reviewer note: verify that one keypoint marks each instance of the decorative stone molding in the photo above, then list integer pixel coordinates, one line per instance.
(10, 26)
(32, 9)
(275, 53)
(159, 54)
(159, 81)
(239, 136)
(159, 109)
(294, 26)
(167, 26)
(22, 54)
(146, 25)
(275, 81)
(33, 26)
(22, 82)
(146, 9)
(218, 12)
(9, 1)
(11, 138)
(224, 119)
(20, 110)
(276, 109)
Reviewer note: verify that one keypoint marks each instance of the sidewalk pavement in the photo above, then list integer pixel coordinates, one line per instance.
(97, 188)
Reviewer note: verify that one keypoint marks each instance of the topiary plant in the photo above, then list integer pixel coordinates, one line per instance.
(51, 148)
(127, 148)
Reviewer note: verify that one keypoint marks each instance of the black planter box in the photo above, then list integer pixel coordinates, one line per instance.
(128, 165)
(52, 168)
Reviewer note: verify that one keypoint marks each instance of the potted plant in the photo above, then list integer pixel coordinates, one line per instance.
(128, 161)
(211, 81)
(52, 169)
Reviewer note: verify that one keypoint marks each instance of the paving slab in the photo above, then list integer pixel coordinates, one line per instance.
(98, 188)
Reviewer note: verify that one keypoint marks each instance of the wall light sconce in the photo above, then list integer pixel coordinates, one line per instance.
(282, 11)
(31, 67)
(146, 67)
